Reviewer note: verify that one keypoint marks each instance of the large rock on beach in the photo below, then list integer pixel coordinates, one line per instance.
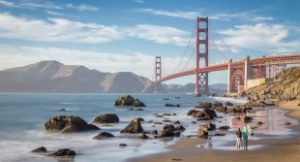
(68, 124)
(206, 114)
(203, 105)
(134, 127)
(41, 149)
(169, 130)
(129, 101)
(106, 118)
(64, 152)
(103, 135)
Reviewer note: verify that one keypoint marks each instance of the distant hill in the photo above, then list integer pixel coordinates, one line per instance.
(55, 77)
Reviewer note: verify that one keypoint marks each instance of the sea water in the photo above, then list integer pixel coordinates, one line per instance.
(22, 118)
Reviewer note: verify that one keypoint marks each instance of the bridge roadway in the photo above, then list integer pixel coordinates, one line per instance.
(259, 61)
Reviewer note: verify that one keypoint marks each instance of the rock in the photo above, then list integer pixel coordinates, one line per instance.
(220, 133)
(166, 121)
(227, 103)
(169, 130)
(180, 128)
(224, 128)
(166, 99)
(68, 124)
(260, 123)
(203, 105)
(172, 105)
(129, 101)
(174, 114)
(176, 97)
(158, 123)
(154, 132)
(222, 109)
(191, 112)
(103, 135)
(166, 114)
(134, 126)
(203, 132)
(64, 152)
(210, 126)
(139, 109)
(141, 119)
(206, 114)
(217, 104)
(106, 118)
(287, 123)
(41, 149)
(122, 144)
(177, 122)
(247, 119)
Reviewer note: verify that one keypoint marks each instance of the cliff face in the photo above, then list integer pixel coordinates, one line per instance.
(286, 85)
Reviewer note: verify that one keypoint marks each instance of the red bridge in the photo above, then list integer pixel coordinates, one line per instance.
(242, 74)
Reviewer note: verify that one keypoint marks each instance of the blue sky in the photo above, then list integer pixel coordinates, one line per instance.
(126, 35)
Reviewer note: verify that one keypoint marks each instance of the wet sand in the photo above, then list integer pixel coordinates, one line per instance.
(274, 150)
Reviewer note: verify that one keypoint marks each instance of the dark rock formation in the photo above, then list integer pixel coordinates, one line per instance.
(172, 105)
(106, 118)
(133, 127)
(203, 105)
(64, 152)
(68, 124)
(224, 128)
(129, 101)
(103, 135)
(227, 103)
(206, 114)
(41, 149)
(247, 119)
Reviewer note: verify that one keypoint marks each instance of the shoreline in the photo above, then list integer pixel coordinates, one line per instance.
(273, 150)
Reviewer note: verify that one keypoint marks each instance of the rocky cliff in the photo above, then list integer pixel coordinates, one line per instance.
(286, 85)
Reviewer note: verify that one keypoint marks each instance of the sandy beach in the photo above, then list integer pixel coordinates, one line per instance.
(274, 150)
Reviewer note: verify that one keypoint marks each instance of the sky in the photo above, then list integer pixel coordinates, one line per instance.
(126, 35)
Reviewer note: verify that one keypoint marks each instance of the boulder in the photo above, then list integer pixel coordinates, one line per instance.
(129, 101)
(64, 152)
(172, 105)
(133, 127)
(217, 104)
(222, 109)
(192, 112)
(203, 105)
(210, 126)
(41, 149)
(62, 109)
(203, 132)
(169, 130)
(103, 135)
(224, 128)
(227, 103)
(122, 144)
(206, 114)
(177, 122)
(106, 118)
(247, 119)
(68, 124)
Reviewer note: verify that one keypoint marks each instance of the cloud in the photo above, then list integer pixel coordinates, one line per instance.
(177, 13)
(261, 36)
(64, 30)
(191, 15)
(139, 63)
(159, 34)
(47, 5)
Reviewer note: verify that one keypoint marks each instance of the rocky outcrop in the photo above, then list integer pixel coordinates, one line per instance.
(68, 124)
(106, 118)
(172, 105)
(103, 135)
(41, 149)
(206, 114)
(129, 101)
(64, 152)
(285, 86)
(133, 127)
(170, 130)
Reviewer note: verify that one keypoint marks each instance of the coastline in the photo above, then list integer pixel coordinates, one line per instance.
(274, 150)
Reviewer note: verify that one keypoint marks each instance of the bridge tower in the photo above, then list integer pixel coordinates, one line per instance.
(201, 85)
(157, 72)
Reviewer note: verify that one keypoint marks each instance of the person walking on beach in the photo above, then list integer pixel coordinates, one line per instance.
(238, 138)
(245, 138)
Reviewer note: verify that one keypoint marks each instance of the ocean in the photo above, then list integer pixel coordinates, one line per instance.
(22, 118)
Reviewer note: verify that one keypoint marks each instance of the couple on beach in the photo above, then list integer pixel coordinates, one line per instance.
(242, 136)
